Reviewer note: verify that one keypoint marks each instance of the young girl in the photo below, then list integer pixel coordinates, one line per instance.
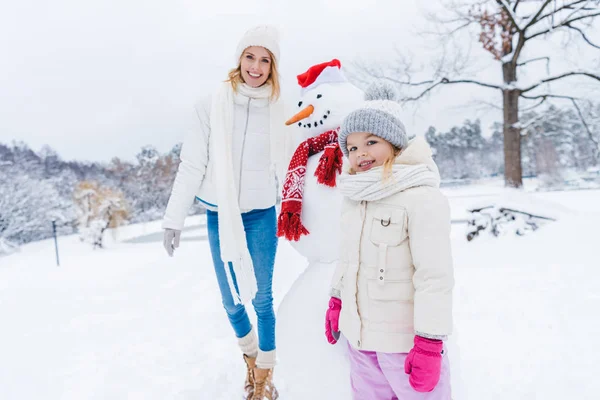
(392, 290)
(229, 164)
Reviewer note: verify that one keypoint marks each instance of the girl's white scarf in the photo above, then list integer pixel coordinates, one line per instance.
(232, 236)
(370, 185)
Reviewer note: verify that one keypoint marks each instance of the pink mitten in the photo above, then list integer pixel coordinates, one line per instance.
(332, 319)
(424, 364)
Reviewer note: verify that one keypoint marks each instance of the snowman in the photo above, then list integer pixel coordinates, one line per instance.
(309, 367)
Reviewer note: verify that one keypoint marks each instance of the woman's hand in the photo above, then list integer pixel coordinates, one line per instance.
(171, 240)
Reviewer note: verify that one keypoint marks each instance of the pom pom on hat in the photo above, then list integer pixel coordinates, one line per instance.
(266, 36)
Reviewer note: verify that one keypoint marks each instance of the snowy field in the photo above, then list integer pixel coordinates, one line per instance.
(128, 322)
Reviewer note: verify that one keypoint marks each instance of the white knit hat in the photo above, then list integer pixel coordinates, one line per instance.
(265, 36)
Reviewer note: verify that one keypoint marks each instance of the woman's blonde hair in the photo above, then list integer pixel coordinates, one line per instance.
(235, 77)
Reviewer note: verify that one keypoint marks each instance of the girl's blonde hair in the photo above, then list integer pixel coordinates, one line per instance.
(235, 77)
(387, 165)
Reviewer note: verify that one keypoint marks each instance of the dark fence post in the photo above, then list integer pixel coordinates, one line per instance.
(55, 242)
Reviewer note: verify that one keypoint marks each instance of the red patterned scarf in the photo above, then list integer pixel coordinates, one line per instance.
(289, 223)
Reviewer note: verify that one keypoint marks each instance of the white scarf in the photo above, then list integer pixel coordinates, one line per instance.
(371, 186)
(232, 236)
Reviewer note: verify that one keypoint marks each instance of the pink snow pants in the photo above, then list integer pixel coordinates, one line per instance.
(381, 376)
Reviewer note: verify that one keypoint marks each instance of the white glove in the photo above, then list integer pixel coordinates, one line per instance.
(171, 240)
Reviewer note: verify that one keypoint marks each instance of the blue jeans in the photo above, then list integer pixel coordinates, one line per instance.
(261, 238)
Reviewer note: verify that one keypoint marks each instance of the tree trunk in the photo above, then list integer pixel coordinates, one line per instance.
(513, 173)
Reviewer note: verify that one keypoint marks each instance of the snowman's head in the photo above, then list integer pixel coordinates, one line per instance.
(324, 107)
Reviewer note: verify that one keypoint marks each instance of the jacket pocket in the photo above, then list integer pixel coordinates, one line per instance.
(388, 227)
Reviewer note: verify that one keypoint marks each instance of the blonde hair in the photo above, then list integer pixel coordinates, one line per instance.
(235, 77)
(387, 165)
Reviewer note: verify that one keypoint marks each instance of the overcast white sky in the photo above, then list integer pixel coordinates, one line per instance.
(96, 79)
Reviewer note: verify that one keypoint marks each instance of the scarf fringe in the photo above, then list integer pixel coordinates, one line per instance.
(246, 286)
(330, 165)
(237, 299)
(289, 225)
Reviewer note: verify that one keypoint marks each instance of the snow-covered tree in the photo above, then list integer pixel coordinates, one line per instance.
(507, 30)
(98, 209)
(463, 153)
(150, 186)
(27, 207)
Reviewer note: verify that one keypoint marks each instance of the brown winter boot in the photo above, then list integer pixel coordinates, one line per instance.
(249, 384)
(263, 385)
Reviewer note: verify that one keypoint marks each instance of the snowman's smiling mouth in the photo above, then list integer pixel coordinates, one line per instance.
(316, 123)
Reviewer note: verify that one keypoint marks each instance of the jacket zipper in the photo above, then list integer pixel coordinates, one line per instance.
(363, 211)
(243, 147)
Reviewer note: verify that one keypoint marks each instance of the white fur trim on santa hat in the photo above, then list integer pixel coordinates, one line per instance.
(328, 75)
(265, 36)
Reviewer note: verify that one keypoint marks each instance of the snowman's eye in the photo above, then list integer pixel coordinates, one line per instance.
(319, 96)
(300, 104)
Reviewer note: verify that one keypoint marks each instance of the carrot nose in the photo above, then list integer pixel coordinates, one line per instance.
(306, 112)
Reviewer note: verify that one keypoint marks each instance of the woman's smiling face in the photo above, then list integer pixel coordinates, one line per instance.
(256, 66)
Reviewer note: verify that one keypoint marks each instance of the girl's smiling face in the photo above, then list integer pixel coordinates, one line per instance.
(366, 151)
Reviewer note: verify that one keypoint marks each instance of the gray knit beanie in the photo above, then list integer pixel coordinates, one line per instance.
(379, 115)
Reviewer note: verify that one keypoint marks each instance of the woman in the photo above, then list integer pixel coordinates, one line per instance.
(229, 163)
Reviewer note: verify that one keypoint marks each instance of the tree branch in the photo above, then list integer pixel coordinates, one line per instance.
(534, 20)
(567, 22)
(564, 23)
(583, 35)
(587, 128)
(513, 18)
(537, 18)
(520, 46)
(542, 101)
(446, 81)
(555, 78)
(516, 5)
(573, 100)
(576, 10)
(547, 96)
(460, 27)
(534, 59)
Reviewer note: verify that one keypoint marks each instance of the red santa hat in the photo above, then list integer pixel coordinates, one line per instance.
(327, 72)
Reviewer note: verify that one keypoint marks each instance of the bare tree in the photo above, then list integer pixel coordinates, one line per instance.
(98, 208)
(505, 29)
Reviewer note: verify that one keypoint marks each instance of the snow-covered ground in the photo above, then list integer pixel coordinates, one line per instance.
(128, 322)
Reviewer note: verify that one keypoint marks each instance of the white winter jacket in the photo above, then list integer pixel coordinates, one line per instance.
(395, 274)
(254, 179)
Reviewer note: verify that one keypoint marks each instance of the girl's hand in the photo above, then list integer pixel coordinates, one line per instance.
(424, 364)
(332, 318)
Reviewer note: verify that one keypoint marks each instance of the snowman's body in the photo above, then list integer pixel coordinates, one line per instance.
(320, 215)
(309, 367)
